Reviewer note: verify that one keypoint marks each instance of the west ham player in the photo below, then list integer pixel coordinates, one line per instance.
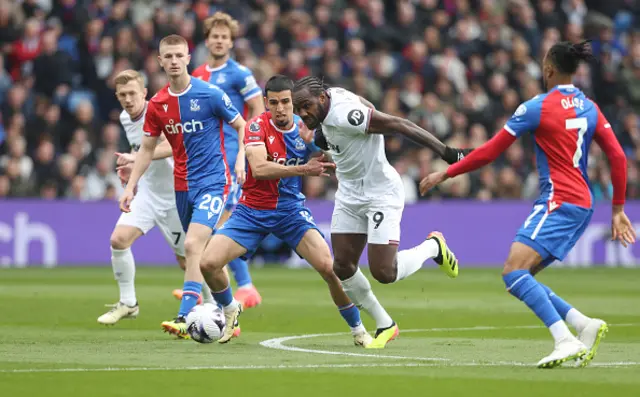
(370, 197)
(272, 201)
(155, 204)
(190, 113)
(564, 122)
(238, 82)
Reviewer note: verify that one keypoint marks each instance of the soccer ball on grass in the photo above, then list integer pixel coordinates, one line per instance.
(205, 323)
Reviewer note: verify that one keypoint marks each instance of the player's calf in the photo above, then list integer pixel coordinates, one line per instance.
(383, 262)
(221, 250)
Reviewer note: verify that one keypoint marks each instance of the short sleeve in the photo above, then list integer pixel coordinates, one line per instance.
(351, 118)
(247, 84)
(254, 133)
(525, 119)
(151, 125)
(222, 106)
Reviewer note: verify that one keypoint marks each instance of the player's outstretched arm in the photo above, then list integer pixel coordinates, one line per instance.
(382, 123)
(262, 168)
(480, 157)
(143, 160)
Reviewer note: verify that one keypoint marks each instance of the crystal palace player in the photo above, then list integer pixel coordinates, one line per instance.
(273, 203)
(370, 197)
(190, 113)
(563, 122)
(237, 82)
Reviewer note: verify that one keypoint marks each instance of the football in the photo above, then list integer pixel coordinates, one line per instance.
(205, 323)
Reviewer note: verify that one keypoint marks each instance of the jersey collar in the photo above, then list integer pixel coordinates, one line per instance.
(210, 69)
(144, 110)
(565, 86)
(182, 93)
(290, 130)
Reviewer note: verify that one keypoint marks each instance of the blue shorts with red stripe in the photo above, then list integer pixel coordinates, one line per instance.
(553, 234)
(201, 205)
(248, 226)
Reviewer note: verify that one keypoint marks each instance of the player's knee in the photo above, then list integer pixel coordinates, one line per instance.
(344, 269)
(210, 263)
(192, 247)
(119, 241)
(384, 274)
(326, 271)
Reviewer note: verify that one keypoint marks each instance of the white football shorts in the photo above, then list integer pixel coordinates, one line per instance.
(375, 214)
(148, 211)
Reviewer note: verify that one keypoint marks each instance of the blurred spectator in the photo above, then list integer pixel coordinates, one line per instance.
(456, 68)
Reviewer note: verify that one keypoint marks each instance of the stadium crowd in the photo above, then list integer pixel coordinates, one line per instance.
(459, 68)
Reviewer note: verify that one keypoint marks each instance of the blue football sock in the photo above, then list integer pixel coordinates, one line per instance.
(351, 315)
(240, 270)
(190, 295)
(224, 297)
(562, 307)
(522, 285)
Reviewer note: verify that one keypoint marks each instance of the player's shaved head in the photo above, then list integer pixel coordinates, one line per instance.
(562, 61)
(174, 56)
(173, 39)
(279, 101)
(310, 100)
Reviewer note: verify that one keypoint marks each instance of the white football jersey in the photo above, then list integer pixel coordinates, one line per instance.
(360, 157)
(158, 178)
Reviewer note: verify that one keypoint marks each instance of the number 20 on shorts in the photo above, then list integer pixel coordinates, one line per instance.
(211, 203)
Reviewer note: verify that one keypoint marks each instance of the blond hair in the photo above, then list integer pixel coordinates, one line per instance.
(173, 39)
(221, 19)
(126, 76)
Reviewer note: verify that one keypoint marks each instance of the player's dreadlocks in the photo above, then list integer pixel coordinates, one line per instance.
(315, 85)
(567, 56)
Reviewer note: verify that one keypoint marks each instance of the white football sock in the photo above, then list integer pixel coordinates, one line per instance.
(358, 289)
(411, 260)
(124, 271)
(206, 294)
(577, 320)
(231, 307)
(360, 329)
(560, 331)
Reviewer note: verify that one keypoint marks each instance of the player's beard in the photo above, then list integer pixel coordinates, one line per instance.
(283, 123)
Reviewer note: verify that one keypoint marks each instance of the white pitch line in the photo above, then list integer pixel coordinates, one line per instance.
(292, 367)
(278, 344)
(271, 343)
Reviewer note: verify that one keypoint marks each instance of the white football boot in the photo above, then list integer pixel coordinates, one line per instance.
(591, 335)
(565, 350)
(118, 312)
(362, 339)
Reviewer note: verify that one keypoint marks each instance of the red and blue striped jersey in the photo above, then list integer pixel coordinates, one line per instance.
(193, 123)
(238, 82)
(563, 122)
(283, 147)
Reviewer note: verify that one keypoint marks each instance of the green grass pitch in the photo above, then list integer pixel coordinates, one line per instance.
(462, 337)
